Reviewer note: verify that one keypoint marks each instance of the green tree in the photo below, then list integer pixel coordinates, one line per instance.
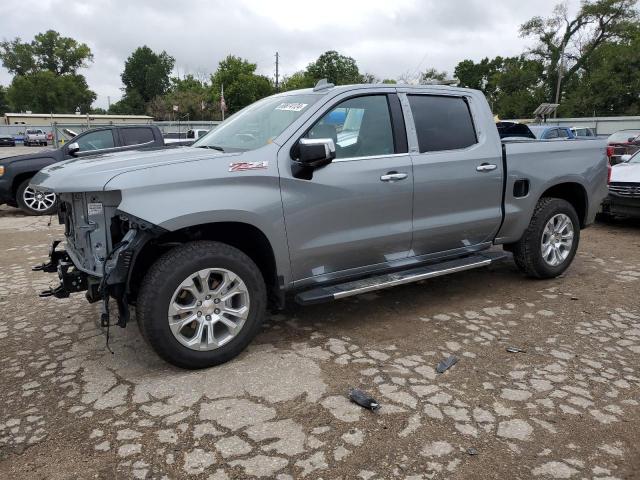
(190, 95)
(513, 85)
(369, 78)
(131, 103)
(296, 81)
(47, 92)
(47, 51)
(566, 44)
(337, 69)
(45, 73)
(148, 75)
(432, 75)
(4, 102)
(608, 83)
(242, 86)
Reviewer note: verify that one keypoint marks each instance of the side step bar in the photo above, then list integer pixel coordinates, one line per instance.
(356, 287)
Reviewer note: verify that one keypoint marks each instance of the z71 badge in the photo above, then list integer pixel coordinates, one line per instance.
(242, 166)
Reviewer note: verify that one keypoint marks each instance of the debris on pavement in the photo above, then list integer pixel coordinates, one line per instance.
(446, 364)
(472, 451)
(363, 399)
(515, 350)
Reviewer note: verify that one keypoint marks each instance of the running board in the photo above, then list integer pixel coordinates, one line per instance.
(356, 287)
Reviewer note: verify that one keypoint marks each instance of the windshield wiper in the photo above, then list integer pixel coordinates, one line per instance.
(212, 147)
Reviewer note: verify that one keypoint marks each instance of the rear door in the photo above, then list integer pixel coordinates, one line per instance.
(353, 215)
(458, 174)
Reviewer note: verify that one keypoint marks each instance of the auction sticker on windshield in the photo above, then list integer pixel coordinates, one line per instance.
(292, 107)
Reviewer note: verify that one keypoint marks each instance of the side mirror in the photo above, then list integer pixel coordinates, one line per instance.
(625, 158)
(73, 148)
(316, 152)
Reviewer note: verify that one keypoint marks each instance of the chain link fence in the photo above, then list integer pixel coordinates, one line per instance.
(60, 133)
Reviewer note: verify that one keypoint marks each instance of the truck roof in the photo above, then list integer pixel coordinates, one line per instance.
(376, 86)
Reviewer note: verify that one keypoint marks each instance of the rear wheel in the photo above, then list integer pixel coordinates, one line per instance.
(35, 202)
(201, 304)
(550, 242)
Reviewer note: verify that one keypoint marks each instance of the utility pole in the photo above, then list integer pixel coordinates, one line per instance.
(277, 73)
(108, 103)
(560, 73)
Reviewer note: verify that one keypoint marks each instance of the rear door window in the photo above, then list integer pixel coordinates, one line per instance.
(442, 123)
(136, 135)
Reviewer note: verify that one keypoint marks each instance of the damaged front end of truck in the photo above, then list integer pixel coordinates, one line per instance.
(102, 245)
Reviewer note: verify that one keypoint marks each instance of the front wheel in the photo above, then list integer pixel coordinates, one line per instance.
(550, 241)
(35, 202)
(201, 304)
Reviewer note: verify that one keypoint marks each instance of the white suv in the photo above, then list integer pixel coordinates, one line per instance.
(624, 188)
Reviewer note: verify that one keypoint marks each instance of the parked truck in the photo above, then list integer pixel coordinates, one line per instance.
(16, 172)
(280, 202)
(35, 137)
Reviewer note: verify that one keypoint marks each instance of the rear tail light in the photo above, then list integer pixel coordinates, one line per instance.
(609, 173)
(610, 151)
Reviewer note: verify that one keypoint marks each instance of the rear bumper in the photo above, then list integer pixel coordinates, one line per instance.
(627, 207)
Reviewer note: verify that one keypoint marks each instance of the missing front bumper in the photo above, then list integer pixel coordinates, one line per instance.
(71, 279)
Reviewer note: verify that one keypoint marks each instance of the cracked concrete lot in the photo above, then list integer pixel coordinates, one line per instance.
(566, 407)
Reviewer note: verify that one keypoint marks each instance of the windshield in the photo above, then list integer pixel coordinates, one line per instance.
(635, 158)
(258, 124)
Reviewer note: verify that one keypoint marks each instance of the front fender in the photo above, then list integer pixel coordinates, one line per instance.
(185, 195)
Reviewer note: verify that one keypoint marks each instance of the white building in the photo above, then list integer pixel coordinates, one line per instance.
(44, 119)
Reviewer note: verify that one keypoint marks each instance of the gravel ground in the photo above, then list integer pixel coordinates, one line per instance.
(565, 407)
(20, 149)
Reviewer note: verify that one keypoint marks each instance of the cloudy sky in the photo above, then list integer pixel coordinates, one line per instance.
(387, 38)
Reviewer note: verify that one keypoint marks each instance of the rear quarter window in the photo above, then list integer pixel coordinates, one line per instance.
(442, 123)
(136, 136)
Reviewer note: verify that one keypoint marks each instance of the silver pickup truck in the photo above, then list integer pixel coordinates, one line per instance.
(35, 137)
(314, 195)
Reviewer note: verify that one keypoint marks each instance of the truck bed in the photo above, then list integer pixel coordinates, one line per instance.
(533, 165)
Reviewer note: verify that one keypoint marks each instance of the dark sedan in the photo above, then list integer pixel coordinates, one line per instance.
(7, 141)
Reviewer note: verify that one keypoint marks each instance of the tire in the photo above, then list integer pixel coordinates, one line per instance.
(46, 205)
(528, 252)
(162, 288)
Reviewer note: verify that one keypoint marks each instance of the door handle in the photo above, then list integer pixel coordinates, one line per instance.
(486, 167)
(393, 176)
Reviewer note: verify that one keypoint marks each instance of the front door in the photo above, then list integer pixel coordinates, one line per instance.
(354, 214)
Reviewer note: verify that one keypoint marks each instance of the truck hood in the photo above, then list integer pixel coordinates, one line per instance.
(626, 172)
(45, 153)
(94, 172)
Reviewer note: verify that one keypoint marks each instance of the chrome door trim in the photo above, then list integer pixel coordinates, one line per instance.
(355, 159)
